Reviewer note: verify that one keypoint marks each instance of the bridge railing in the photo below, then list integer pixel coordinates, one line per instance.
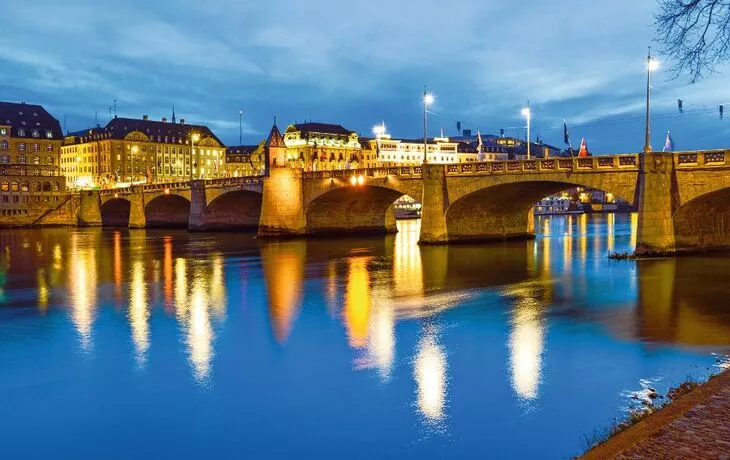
(702, 159)
(365, 172)
(538, 165)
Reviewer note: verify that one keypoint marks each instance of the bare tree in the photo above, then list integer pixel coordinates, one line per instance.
(695, 33)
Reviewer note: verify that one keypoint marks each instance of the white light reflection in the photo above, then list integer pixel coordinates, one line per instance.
(526, 346)
(430, 373)
(200, 332)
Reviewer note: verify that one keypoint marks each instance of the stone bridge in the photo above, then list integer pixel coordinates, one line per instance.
(683, 199)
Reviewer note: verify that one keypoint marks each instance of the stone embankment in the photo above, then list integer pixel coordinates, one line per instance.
(694, 426)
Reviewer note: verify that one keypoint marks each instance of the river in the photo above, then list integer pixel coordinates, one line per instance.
(131, 343)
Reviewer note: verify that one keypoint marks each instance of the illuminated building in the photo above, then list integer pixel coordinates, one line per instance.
(30, 145)
(245, 160)
(29, 135)
(409, 152)
(324, 146)
(141, 150)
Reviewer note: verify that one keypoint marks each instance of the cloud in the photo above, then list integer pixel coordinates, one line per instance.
(354, 63)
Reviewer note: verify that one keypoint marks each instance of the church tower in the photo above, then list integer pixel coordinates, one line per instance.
(275, 149)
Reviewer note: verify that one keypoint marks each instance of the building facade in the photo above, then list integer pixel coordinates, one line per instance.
(29, 135)
(245, 160)
(325, 146)
(409, 152)
(129, 150)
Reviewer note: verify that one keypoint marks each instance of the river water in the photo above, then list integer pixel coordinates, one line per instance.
(131, 344)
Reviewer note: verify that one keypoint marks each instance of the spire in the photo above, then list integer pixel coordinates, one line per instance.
(668, 144)
(275, 138)
(583, 152)
(173, 114)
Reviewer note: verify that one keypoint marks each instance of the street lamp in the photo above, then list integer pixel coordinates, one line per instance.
(135, 149)
(651, 65)
(195, 137)
(527, 113)
(427, 100)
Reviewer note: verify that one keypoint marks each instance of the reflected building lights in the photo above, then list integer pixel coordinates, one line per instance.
(526, 346)
(218, 288)
(583, 236)
(200, 331)
(167, 271)
(634, 229)
(610, 232)
(381, 343)
(42, 289)
(430, 374)
(139, 312)
(82, 283)
(407, 264)
(357, 302)
(118, 264)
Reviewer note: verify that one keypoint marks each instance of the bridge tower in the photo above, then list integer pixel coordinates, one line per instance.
(657, 204)
(434, 205)
(282, 206)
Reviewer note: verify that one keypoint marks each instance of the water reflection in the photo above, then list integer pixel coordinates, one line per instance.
(429, 372)
(372, 288)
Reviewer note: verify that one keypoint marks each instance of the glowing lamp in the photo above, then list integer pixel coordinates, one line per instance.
(360, 180)
(167, 191)
(428, 99)
(353, 180)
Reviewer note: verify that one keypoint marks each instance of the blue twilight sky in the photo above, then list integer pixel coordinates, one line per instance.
(357, 63)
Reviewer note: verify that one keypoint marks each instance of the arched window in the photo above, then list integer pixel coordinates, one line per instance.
(14, 186)
(4, 159)
(22, 159)
(46, 186)
(24, 187)
(36, 159)
(4, 186)
(55, 186)
(4, 145)
(36, 186)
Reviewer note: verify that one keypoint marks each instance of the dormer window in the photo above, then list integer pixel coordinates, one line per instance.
(35, 133)
(49, 134)
(21, 132)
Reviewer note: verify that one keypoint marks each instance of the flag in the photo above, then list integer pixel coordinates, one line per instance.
(458, 126)
(668, 144)
(480, 147)
(566, 138)
(583, 152)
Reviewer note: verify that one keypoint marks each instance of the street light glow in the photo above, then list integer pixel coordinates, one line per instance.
(379, 130)
(653, 65)
(428, 99)
(196, 137)
(526, 112)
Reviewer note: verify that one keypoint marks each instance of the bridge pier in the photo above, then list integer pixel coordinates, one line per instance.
(90, 209)
(198, 206)
(657, 204)
(137, 218)
(433, 207)
(282, 208)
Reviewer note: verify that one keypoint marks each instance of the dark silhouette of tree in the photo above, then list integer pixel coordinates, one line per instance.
(695, 34)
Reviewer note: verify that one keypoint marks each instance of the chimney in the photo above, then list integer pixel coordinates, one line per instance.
(164, 119)
(182, 121)
(145, 117)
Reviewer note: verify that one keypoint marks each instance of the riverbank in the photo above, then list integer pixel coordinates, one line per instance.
(694, 425)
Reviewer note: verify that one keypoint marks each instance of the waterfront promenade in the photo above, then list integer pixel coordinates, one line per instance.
(694, 426)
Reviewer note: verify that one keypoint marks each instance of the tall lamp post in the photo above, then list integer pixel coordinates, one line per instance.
(651, 65)
(427, 100)
(195, 137)
(240, 127)
(527, 113)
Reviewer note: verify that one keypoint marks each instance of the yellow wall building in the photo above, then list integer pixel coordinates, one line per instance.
(30, 136)
(324, 146)
(141, 151)
(246, 160)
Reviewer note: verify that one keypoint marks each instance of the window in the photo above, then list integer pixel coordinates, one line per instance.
(21, 132)
(46, 186)
(36, 160)
(21, 147)
(14, 186)
(4, 186)
(21, 159)
(49, 148)
(49, 134)
(4, 159)
(50, 160)
(35, 133)
(4, 145)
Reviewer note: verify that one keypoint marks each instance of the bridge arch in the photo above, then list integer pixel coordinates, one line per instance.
(115, 212)
(167, 211)
(238, 209)
(703, 222)
(357, 209)
(490, 209)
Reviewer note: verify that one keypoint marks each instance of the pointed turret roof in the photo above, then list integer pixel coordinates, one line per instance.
(275, 138)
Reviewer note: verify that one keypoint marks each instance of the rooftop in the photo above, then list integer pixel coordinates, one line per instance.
(29, 120)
